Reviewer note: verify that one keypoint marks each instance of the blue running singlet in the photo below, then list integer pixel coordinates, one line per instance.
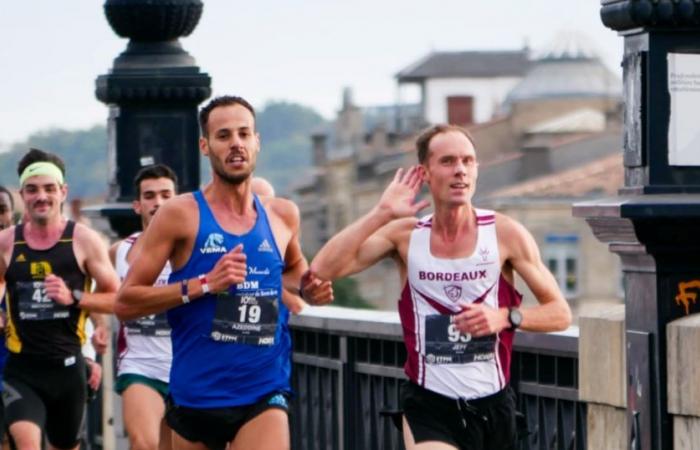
(231, 349)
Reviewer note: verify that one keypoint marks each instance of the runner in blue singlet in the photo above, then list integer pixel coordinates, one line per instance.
(234, 256)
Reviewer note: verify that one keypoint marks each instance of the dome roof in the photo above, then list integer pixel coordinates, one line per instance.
(569, 67)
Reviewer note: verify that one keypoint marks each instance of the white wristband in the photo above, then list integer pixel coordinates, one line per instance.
(203, 282)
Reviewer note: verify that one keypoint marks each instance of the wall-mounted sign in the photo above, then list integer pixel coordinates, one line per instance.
(684, 90)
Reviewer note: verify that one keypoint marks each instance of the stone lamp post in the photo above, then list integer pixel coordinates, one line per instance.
(153, 91)
(654, 223)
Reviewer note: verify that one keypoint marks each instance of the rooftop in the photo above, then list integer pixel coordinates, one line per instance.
(466, 64)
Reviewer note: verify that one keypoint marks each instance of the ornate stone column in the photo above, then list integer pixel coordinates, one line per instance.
(153, 91)
(653, 224)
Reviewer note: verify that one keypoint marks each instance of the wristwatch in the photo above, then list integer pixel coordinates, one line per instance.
(515, 317)
(77, 296)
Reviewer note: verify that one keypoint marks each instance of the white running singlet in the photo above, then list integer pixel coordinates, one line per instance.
(144, 344)
(441, 359)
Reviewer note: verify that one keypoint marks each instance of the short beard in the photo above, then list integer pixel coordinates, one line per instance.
(234, 180)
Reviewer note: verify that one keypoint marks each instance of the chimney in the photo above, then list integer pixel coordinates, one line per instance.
(320, 156)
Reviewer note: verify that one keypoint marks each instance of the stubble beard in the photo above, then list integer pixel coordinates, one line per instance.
(228, 178)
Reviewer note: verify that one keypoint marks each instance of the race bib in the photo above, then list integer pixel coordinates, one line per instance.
(34, 304)
(444, 344)
(155, 325)
(246, 317)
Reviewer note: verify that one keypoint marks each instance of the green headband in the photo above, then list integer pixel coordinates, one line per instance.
(42, 168)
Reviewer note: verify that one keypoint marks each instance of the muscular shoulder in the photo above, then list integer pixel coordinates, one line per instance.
(514, 239)
(87, 238)
(180, 206)
(285, 210)
(177, 216)
(399, 231)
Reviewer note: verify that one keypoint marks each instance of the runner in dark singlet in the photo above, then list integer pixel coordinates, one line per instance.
(48, 264)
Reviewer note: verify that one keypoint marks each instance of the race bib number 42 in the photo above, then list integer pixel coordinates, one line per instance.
(245, 318)
(34, 304)
(444, 344)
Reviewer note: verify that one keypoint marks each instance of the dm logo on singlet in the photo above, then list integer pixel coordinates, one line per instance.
(39, 269)
(453, 292)
(213, 244)
(248, 285)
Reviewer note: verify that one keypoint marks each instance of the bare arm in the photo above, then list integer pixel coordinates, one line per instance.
(371, 237)
(520, 252)
(100, 268)
(295, 277)
(138, 297)
(113, 253)
(7, 240)
(553, 312)
(91, 250)
(100, 337)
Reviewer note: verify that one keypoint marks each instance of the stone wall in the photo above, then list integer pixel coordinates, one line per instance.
(602, 376)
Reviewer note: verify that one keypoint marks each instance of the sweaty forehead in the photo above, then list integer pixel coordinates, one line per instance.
(231, 117)
(451, 142)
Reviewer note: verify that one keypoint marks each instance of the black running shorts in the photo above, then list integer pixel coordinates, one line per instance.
(486, 423)
(49, 393)
(216, 427)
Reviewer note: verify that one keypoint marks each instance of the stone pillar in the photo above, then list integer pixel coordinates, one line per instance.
(601, 374)
(653, 223)
(153, 92)
(683, 336)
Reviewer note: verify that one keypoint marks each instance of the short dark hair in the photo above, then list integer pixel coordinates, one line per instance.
(6, 191)
(151, 172)
(36, 155)
(423, 141)
(225, 100)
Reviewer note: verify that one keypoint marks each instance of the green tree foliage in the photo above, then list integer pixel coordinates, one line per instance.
(83, 151)
(345, 293)
(284, 127)
(285, 135)
(285, 143)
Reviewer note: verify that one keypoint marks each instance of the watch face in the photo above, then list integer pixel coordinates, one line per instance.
(515, 317)
(77, 295)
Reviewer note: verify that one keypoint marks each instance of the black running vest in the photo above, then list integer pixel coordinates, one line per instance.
(37, 325)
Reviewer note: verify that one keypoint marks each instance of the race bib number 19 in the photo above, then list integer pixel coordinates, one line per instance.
(244, 318)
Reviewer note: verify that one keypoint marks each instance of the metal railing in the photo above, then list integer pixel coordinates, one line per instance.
(348, 367)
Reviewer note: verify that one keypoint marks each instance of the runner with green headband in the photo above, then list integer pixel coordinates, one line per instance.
(48, 263)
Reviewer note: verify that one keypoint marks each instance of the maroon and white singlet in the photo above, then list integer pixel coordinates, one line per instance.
(441, 359)
(144, 344)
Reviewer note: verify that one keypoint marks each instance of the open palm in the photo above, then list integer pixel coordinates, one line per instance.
(400, 196)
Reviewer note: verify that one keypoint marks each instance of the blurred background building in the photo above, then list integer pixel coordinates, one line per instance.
(548, 131)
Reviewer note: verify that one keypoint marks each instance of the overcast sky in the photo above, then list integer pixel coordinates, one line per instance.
(305, 51)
